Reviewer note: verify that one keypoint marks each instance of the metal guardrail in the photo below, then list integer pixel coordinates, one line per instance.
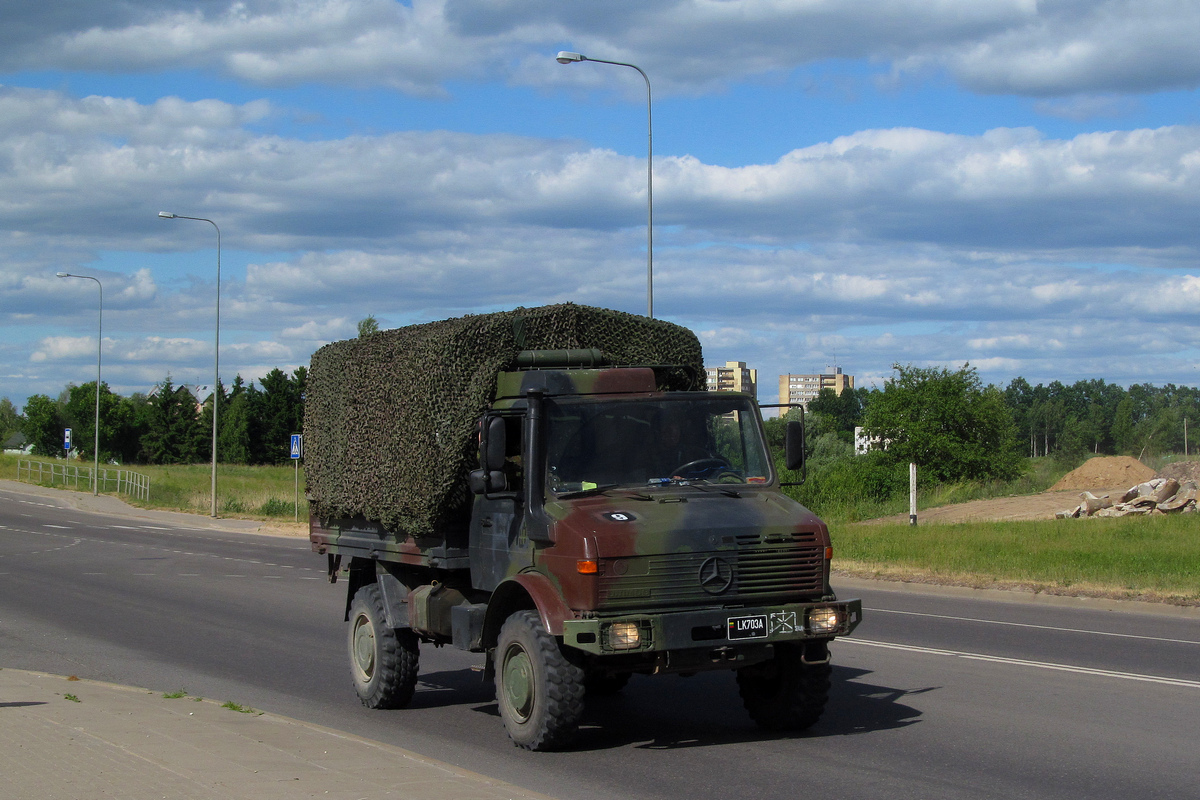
(121, 481)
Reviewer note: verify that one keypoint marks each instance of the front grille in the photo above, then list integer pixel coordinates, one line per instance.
(762, 568)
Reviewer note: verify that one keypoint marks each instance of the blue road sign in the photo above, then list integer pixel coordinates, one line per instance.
(297, 445)
(66, 439)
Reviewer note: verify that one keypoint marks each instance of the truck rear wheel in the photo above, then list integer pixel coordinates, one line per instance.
(785, 694)
(383, 660)
(540, 692)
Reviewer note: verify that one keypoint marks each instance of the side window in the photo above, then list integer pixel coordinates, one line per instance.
(514, 438)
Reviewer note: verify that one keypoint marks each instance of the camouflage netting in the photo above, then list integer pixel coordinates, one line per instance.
(390, 419)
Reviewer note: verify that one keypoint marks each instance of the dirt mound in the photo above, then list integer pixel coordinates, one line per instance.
(1181, 471)
(1107, 472)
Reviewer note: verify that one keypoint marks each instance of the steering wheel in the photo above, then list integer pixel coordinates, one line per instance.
(701, 465)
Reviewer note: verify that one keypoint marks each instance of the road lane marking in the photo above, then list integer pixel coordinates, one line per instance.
(139, 546)
(1020, 662)
(1031, 625)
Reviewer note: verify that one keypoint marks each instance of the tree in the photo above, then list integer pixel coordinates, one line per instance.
(134, 417)
(43, 426)
(843, 411)
(81, 414)
(946, 423)
(10, 420)
(1122, 431)
(174, 426)
(367, 326)
(278, 412)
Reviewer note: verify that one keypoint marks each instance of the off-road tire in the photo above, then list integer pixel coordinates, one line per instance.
(598, 684)
(540, 692)
(784, 694)
(383, 660)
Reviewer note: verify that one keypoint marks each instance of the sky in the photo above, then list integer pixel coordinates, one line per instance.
(1011, 184)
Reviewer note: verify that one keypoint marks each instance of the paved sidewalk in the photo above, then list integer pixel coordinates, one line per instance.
(79, 739)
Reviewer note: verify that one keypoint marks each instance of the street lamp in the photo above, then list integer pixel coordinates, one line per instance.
(217, 356)
(565, 57)
(99, 346)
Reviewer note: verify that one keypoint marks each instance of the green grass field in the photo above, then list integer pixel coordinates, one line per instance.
(1155, 558)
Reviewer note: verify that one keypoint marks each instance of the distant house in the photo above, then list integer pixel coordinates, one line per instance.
(17, 444)
(864, 444)
(199, 392)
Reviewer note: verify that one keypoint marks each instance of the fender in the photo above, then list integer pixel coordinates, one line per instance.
(525, 590)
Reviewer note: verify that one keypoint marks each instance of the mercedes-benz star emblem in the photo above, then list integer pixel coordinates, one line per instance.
(715, 575)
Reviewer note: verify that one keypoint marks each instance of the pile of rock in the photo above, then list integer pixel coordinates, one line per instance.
(1155, 496)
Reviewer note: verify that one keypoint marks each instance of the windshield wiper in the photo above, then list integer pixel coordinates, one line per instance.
(695, 483)
(604, 487)
(714, 487)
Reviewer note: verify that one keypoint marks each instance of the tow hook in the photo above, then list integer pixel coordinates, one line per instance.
(720, 655)
(814, 653)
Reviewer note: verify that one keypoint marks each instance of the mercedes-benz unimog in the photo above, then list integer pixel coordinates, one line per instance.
(555, 488)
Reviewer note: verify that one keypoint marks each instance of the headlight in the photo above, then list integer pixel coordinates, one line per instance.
(823, 620)
(624, 636)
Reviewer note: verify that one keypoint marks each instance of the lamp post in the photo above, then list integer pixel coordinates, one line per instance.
(217, 354)
(99, 347)
(565, 57)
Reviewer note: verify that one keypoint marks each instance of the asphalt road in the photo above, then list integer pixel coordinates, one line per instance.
(939, 694)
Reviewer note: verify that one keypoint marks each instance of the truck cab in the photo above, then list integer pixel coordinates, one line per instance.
(615, 529)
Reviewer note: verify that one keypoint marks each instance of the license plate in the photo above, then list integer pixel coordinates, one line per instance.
(748, 627)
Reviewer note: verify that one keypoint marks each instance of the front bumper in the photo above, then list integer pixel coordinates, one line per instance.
(712, 627)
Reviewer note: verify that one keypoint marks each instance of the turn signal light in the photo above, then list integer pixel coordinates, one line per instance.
(587, 566)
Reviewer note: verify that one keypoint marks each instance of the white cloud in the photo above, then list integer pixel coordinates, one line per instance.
(164, 350)
(54, 348)
(1007, 188)
(1051, 48)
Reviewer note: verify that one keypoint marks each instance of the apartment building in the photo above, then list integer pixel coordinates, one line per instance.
(735, 376)
(803, 388)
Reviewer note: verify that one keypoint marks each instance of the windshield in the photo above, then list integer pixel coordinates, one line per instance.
(592, 445)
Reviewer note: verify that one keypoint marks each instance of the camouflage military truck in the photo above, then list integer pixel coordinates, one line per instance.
(554, 488)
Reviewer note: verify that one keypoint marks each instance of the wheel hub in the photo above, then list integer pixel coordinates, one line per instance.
(364, 648)
(518, 683)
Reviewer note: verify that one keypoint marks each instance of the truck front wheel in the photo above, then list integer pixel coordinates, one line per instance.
(540, 692)
(785, 694)
(383, 660)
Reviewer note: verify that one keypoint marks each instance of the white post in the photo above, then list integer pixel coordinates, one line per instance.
(296, 499)
(912, 494)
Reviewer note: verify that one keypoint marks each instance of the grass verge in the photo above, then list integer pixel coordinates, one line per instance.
(1150, 558)
(262, 492)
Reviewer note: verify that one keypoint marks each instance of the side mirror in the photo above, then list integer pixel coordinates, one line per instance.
(494, 445)
(485, 482)
(493, 442)
(793, 452)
